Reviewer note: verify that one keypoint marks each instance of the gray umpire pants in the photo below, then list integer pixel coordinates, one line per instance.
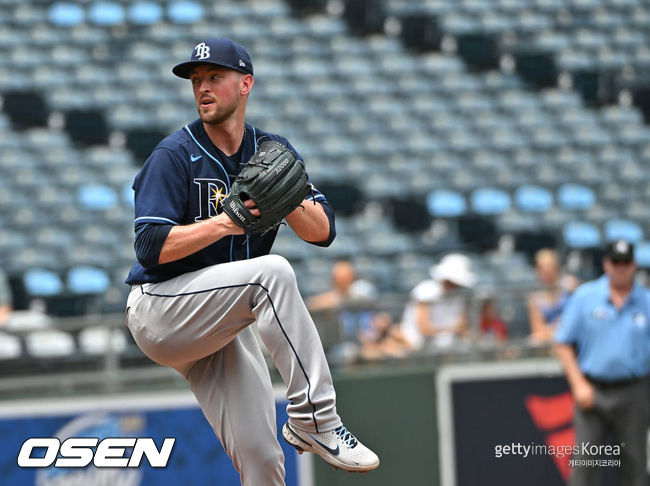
(198, 323)
(621, 413)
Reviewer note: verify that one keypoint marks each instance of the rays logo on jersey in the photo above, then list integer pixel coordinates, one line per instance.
(211, 193)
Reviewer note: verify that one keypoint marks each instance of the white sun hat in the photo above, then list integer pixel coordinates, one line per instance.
(455, 268)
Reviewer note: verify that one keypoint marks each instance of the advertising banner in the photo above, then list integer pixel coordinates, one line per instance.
(153, 439)
(511, 423)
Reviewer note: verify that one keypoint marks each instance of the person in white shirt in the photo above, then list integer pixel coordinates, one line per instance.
(436, 313)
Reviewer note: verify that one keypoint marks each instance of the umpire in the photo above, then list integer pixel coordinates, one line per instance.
(603, 343)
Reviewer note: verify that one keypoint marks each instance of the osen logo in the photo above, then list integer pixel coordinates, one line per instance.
(98, 449)
(79, 452)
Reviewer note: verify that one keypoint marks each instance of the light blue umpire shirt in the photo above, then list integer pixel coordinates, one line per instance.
(611, 344)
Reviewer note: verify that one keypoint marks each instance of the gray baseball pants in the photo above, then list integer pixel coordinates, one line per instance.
(198, 323)
(622, 411)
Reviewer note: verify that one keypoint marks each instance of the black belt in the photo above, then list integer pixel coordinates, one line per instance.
(614, 383)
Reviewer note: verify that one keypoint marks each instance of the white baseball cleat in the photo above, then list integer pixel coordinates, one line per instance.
(338, 447)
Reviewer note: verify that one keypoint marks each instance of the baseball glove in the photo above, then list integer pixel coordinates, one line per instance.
(275, 181)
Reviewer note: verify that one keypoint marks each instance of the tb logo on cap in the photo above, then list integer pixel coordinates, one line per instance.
(202, 51)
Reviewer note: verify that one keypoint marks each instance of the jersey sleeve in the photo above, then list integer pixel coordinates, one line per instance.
(319, 197)
(316, 195)
(161, 189)
(149, 240)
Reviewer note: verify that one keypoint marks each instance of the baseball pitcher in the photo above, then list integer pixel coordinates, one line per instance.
(208, 202)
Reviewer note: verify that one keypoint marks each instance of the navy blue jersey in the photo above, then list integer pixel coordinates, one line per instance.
(184, 181)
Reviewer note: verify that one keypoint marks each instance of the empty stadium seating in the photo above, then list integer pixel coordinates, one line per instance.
(466, 122)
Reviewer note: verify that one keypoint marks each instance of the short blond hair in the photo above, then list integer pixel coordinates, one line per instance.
(546, 255)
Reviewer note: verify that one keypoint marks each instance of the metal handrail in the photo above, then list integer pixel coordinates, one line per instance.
(115, 370)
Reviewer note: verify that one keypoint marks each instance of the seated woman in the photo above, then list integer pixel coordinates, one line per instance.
(545, 305)
(436, 313)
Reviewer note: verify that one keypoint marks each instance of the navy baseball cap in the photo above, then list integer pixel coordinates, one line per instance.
(620, 251)
(219, 51)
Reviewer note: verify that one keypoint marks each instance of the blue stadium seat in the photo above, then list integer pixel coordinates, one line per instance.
(11, 239)
(623, 229)
(185, 12)
(40, 282)
(538, 143)
(552, 40)
(642, 254)
(128, 194)
(84, 279)
(145, 13)
(53, 237)
(446, 203)
(457, 23)
(614, 115)
(533, 199)
(490, 200)
(106, 14)
(97, 197)
(573, 196)
(580, 235)
(65, 14)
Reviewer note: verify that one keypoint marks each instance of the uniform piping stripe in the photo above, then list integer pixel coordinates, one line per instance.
(207, 153)
(156, 218)
(277, 318)
(294, 434)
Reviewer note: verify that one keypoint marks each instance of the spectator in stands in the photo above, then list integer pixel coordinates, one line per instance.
(371, 333)
(603, 343)
(380, 337)
(546, 304)
(436, 313)
(491, 323)
(346, 290)
(6, 299)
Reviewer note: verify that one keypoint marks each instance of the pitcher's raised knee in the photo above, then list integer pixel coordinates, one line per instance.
(277, 267)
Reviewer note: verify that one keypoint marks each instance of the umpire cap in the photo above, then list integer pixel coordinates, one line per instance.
(218, 51)
(620, 251)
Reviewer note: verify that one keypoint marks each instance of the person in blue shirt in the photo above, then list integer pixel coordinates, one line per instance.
(546, 303)
(603, 343)
(199, 283)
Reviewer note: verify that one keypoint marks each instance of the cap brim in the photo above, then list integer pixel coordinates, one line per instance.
(184, 69)
(620, 258)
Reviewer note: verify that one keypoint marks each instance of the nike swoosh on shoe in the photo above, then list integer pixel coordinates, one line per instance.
(334, 452)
